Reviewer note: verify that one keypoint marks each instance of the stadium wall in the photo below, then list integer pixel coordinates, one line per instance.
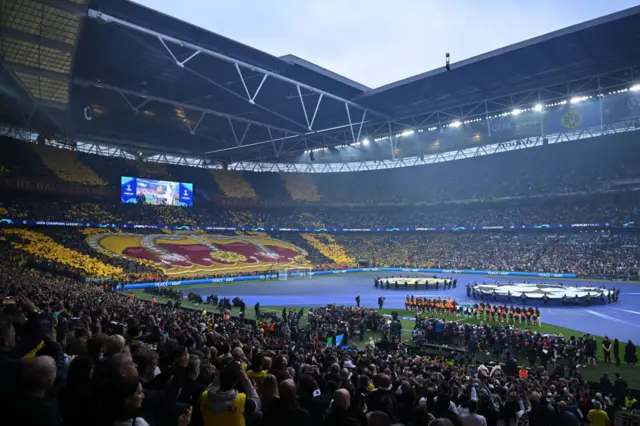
(347, 271)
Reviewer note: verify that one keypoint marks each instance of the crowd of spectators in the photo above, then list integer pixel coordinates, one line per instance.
(326, 244)
(350, 322)
(581, 167)
(233, 185)
(66, 166)
(561, 169)
(600, 210)
(45, 249)
(76, 354)
(301, 187)
(586, 253)
(562, 355)
(148, 169)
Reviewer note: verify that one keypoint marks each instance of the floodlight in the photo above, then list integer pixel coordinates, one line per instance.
(407, 133)
(538, 107)
(365, 142)
(635, 88)
(456, 124)
(516, 112)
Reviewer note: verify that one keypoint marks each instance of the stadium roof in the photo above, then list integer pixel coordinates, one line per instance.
(151, 83)
(587, 49)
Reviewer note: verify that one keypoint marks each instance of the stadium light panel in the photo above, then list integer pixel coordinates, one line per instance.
(365, 142)
(538, 107)
(456, 124)
(578, 99)
(635, 88)
(516, 111)
(407, 133)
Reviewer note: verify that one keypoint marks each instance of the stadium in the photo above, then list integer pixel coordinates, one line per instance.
(184, 201)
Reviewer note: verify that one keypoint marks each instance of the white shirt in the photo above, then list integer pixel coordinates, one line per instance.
(473, 419)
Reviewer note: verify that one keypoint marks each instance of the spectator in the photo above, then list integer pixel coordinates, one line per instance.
(268, 391)
(76, 400)
(338, 415)
(34, 406)
(564, 416)
(383, 389)
(225, 405)
(596, 416)
(472, 418)
(285, 410)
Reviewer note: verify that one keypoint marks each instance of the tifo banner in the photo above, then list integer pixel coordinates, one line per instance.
(8, 221)
(348, 271)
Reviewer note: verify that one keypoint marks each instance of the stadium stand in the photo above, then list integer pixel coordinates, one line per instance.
(79, 347)
(269, 187)
(327, 245)
(46, 249)
(152, 170)
(20, 161)
(91, 212)
(65, 164)
(571, 167)
(301, 187)
(613, 209)
(585, 254)
(109, 169)
(233, 185)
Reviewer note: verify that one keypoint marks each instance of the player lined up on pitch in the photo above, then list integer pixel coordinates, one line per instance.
(477, 311)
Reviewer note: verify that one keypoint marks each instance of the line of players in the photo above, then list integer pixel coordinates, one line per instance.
(488, 312)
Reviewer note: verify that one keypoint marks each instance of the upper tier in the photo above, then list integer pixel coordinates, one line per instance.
(585, 165)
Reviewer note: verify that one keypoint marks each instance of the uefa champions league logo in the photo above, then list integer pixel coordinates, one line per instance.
(538, 291)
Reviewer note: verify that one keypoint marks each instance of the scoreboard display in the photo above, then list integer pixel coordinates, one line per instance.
(155, 192)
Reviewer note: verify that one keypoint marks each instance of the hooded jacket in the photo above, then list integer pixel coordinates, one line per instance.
(230, 407)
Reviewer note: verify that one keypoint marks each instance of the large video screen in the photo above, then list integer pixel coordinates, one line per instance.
(155, 192)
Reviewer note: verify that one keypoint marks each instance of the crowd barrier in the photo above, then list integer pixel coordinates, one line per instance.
(540, 226)
(347, 271)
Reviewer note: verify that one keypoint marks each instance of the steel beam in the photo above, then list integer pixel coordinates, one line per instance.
(34, 39)
(74, 9)
(57, 76)
(250, 98)
(87, 83)
(292, 136)
(37, 104)
(439, 157)
(549, 88)
(94, 14)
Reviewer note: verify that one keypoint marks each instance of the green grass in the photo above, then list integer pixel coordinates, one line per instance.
(590, 373)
